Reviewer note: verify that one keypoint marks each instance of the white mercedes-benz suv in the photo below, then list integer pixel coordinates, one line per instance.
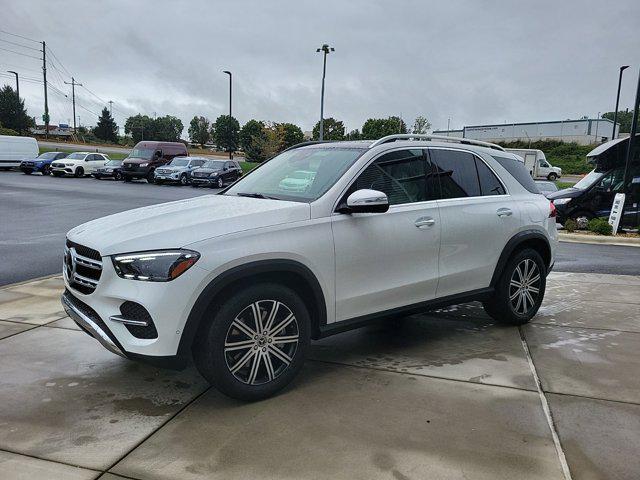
(241, 281)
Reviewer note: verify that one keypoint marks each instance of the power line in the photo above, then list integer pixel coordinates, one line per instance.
(12, 65)
(59, 62)
(93, 94)
(20, 53)
(19, 36)
(19, 45)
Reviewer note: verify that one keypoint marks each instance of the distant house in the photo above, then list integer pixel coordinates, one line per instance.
(60, 131)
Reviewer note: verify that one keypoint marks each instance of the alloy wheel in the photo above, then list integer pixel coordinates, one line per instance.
(524, 286)
(220, 183)
(261, 342)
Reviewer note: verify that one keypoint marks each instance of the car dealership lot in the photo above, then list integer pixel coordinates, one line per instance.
(442, 395)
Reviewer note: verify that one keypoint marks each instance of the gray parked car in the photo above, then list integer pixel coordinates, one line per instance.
(179, 170)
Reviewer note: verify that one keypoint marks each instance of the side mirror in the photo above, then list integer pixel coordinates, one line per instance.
(366, 201)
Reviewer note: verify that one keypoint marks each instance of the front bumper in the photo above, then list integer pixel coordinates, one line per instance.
(169, 177)
(204, 181)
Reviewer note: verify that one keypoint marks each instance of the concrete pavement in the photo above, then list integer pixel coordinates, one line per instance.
(446, 395)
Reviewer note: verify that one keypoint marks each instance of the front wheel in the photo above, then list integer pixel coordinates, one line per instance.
(552, 176)
(520, 289)
(117, 176)
(151, 177)
(255, 343)
(79, 173)
(183, 179)
(220, 182)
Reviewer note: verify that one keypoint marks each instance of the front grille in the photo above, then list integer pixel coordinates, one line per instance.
(82, 267)
(57, 165)
(135, 311)
(200, 174)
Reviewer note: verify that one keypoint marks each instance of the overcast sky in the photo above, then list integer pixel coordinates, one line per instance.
(475, 62)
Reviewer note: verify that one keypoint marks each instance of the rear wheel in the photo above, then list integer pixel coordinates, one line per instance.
(151, 177)
(79, 172)
(255, 343)
(552, 176)
(46, 170)
(520, 289)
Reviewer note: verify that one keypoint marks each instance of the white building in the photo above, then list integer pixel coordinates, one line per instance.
(583, 131)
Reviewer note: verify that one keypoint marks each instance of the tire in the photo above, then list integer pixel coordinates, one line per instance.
(512, 304)
(220, 183)
(234, 372)
(79, 173)
(117, 176)
(46, 170)
(183, 179)
(151, 177)
(552, 176)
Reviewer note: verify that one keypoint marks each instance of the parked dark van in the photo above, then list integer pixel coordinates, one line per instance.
(146, 156)
(593, 196)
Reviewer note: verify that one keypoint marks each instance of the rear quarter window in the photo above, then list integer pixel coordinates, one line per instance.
(518, 171)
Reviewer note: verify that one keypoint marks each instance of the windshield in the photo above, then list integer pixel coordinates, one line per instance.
(213, 165)
(301, 175)
(113, 163)
(48, 156)
(588, 180)
(76, 156)
(141, 153)
(179, 162)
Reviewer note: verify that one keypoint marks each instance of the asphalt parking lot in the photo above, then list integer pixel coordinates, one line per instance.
(446, 395)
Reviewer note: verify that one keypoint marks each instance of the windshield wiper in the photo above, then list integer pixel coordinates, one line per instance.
(256, 195)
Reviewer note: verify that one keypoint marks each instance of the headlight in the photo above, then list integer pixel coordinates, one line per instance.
(144, 164)
(561, 201)
(214, 174)
(68, 164)
(158, 266)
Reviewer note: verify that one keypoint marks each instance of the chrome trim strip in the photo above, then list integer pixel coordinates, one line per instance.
(89, 325)
(126, 321)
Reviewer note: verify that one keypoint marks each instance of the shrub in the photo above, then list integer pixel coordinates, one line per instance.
(599, 226)
(570, 225)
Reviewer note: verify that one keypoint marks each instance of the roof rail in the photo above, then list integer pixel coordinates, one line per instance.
(429, 137)
(304, 144)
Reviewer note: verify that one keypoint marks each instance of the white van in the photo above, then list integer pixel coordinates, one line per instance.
(536, 163)
(15, 149)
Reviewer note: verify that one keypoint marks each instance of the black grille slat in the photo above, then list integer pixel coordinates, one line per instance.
(135, 311)
(85, 251)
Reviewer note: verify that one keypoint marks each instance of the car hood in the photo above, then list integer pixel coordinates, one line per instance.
(565, 193)
(173, 169)
(176, 224)
(70, 161)
(136, 160)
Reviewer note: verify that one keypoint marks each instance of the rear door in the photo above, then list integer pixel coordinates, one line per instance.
(388, 260)
(477, 218)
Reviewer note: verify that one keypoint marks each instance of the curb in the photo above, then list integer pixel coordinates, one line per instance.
(599, 240)
(23, 282)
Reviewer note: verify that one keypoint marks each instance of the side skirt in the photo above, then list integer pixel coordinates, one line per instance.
(357, 322)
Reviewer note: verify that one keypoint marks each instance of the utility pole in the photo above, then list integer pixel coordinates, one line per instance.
(110, 102)
(46, 102)
(230, 98)
(73, 99)
(597, 123)
(632, 137)
(325, 49)
(615, 115)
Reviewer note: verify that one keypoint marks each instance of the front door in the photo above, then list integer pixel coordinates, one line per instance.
(388, 260)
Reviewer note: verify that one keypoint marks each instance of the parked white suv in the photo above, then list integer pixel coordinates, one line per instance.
(242, 280)
(78, 164)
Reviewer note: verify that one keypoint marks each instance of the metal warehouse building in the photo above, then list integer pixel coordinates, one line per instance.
(583, 131)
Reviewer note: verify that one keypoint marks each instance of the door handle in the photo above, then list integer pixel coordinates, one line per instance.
(424, 222)
(504, 212)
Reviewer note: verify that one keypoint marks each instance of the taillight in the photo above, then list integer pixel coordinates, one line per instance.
(553, 212)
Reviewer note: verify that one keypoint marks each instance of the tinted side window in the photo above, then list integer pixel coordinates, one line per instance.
(400, 175)
(518, 171)
(489, 183)
(457, 173)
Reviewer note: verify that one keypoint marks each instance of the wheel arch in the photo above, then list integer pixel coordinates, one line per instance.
(527, 239)
(291, 273)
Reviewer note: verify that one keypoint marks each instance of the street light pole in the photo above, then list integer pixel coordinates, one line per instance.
(325, 49)
(230, 102)
(17, 83)
(615, 115)
(632, 137)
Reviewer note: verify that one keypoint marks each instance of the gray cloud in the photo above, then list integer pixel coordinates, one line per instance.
(476, 62)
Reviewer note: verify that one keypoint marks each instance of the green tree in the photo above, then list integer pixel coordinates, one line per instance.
(289, 134)
(624, 119)
(375, 128)
(421, 125)
(251, 136)
(354, 135)
(106, 129)
(167, 129)
(227, 133)
(13, 115)
(140, 127)
(332, 129)
(200, 130)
